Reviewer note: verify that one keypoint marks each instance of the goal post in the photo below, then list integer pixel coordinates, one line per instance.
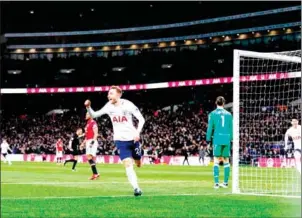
(265, 85)
(236, 111)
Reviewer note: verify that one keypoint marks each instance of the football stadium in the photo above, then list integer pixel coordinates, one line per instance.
(150, 109)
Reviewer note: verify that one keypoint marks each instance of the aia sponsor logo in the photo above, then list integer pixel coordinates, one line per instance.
(296, 137)
(119, 119)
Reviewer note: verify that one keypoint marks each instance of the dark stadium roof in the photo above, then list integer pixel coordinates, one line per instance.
(65, 16)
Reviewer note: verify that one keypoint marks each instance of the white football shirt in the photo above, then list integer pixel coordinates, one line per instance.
(295, 134)
(4, 147)
(121, 118)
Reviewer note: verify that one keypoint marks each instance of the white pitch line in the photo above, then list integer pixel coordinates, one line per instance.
(114, 196)
(94, 182)
(159, 195)
(270, 195)
(123, 196)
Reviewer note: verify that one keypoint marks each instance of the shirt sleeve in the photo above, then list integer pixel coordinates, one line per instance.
(135, 112)
(99, 113)
(94, 125)
(95, 128)
(210, 127)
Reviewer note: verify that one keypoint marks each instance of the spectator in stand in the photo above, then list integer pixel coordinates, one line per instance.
(167, 132)
(186, 155)
(202, 154)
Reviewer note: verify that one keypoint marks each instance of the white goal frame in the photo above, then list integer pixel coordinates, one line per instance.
(236, 104)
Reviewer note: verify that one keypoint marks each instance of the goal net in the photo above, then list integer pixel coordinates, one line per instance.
(267, 95)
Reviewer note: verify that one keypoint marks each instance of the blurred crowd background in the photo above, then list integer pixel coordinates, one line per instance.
(176, 118)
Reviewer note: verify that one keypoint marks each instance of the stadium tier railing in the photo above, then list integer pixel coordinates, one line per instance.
(158, 40)
(156, 27)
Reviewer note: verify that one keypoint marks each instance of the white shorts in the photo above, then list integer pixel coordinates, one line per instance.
(91, 149)
(59, 154)
(4, 154)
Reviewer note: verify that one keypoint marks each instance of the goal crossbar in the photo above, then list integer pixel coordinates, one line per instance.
(268, 56)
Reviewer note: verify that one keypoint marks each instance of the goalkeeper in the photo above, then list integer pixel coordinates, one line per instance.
(220, 132)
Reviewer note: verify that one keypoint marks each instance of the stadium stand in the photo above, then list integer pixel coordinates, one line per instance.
(30, 130)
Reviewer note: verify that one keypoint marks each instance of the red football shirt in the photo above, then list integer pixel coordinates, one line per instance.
(59, 145)
(91, 124)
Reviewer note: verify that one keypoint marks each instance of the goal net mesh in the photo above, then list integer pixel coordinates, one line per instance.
(269, 97)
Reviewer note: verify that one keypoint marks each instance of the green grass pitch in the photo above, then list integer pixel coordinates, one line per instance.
(30, 189)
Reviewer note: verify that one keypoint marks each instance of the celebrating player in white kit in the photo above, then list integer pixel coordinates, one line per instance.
(294, 133)
(126, 136)
(4, 151)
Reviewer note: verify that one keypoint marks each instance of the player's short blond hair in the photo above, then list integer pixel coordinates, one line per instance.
(117, 88)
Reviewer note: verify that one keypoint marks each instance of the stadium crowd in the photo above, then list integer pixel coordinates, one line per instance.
(174, 130)
(164, 131)
(179, 130)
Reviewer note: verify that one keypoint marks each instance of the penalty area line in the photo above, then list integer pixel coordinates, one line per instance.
(97, 182)
(113, 196)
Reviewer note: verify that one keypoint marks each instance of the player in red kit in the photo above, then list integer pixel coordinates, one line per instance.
(91, 134)
(59, 150)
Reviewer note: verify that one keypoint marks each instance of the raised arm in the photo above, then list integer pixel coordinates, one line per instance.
(94, 114)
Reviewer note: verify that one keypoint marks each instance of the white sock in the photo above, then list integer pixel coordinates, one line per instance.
(299, 168)
(298, 161)
(297, 156)
(8, 160)
(132, 177)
